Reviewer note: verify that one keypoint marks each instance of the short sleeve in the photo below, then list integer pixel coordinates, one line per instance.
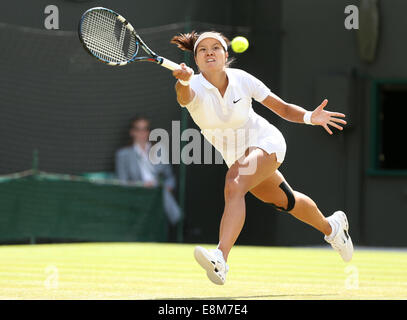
(258, 89)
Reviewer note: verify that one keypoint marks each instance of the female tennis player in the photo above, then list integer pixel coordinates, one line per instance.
(219, 100)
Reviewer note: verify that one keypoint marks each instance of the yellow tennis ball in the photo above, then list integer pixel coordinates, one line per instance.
(239, 44)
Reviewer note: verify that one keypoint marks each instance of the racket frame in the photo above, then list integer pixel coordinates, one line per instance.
(139, 43)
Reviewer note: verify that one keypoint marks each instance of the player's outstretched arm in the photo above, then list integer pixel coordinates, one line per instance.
(294, 113)
(184, 92)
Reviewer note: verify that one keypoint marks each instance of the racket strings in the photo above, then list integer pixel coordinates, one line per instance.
(107, 37)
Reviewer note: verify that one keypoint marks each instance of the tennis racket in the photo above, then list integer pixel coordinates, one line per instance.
(111, 39)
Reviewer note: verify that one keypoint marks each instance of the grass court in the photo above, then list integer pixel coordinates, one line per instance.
(169, 271)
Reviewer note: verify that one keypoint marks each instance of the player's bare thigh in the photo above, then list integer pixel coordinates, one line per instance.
(252, 169)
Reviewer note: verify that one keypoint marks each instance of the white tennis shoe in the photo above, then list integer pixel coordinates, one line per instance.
(341, 241)
(214, 264)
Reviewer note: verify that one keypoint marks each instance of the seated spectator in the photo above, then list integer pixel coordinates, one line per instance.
(133, 165)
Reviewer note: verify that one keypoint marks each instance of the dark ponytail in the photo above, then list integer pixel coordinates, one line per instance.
(185, 41)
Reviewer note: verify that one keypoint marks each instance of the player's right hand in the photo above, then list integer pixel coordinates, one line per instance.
(185, 73)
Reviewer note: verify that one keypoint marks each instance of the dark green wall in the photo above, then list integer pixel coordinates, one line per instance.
(300, 49)
(334, 169)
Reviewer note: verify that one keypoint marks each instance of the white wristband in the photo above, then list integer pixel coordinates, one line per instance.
(307, 118)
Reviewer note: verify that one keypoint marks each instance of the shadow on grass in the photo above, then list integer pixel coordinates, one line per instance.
(270, 296)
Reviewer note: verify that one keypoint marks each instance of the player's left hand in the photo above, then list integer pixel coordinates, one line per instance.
(324, 118)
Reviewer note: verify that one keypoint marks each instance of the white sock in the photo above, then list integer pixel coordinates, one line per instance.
(334, 226)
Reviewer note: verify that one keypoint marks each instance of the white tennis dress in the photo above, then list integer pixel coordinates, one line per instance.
(229, 123)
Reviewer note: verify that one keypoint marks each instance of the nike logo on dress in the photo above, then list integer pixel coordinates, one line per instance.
(236, 101)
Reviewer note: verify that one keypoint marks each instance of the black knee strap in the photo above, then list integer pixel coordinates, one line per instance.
(290, 197)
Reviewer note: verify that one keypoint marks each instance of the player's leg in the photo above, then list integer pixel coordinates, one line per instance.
(275, 190)
(303, 208)
(237, 184)
(239, 180)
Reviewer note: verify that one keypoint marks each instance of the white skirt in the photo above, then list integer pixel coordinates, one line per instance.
(257, 132)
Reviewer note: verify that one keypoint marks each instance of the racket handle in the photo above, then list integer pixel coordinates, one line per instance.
(169, 64)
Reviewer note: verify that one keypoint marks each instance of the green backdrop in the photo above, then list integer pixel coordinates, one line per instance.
(59, 207)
